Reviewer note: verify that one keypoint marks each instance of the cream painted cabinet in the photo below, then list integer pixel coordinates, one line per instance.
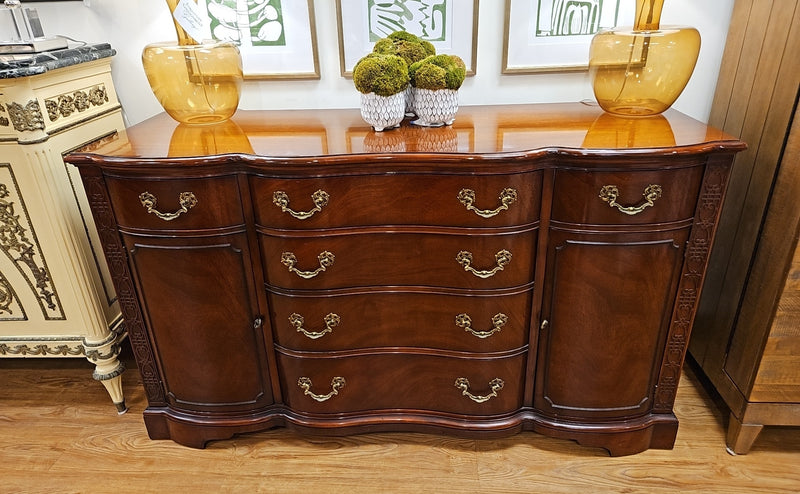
(56, 297)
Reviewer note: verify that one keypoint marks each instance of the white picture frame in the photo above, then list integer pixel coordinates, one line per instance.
(277, 38)
(362, 22)
(555, 35)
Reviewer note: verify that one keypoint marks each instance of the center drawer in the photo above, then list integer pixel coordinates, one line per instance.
(479, 261)
(414, 199)
(477, 323)
(403, 381)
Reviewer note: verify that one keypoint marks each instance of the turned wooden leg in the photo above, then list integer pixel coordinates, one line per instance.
(104, 354)
(741, 436)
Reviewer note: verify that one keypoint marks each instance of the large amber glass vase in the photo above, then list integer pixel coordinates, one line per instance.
(642, 70)
(196, 83)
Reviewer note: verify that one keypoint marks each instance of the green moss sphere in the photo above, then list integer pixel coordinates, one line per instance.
(438, 72)
(383, 75)
(406, 45)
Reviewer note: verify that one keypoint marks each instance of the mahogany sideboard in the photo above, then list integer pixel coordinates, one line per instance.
(531, 267)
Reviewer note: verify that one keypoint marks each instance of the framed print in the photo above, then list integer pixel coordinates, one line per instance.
(277, 38)
(451, 25)
(554, 35)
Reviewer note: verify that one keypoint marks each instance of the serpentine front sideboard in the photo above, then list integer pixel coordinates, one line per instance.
(56, 294)
(528, 268)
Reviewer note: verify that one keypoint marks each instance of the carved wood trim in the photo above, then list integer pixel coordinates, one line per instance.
(701, 239)
(116, 257)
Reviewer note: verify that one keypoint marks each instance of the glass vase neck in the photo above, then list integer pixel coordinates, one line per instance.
(648, 15)
(183, 36)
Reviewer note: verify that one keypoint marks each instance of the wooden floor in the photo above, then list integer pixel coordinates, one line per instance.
(59, 433)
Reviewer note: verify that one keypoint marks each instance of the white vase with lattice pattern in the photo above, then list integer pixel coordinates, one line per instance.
(383, 112)
(435, 108)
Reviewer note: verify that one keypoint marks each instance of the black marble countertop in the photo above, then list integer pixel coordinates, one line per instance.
(39, 63)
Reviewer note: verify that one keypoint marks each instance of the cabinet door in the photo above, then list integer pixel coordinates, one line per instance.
(198, 294)
(608, 300)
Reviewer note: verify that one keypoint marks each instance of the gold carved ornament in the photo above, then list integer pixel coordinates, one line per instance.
(325, 258)
(495, 385)
(507, 197)
(331, 321)
(26, 118)
(186, 200)
(498, 321)
(502, 258)
(609, 194)
(320, 199)
(305, 384)
(66, 104)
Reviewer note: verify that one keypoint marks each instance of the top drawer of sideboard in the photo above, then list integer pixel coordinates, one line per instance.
(176, 204)
(413, 199)
(626, 198)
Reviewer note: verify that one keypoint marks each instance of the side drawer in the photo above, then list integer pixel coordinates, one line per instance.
(446, 200)
(469, 323)
(399, 259)
(176, 204)
(611, 198)
(403, 381)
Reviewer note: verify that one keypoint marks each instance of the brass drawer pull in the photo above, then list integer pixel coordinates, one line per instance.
(305, 384)
(326, 259)
(502, 258)
(498, 321)
(495, 385)
(507, 197)
(320, 199)
(609, 194)
(331, 321)
(187, 201)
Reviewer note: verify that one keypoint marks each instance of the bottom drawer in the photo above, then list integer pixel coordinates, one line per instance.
(468, 385)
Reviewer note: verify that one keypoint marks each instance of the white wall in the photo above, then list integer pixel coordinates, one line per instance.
(130, 25)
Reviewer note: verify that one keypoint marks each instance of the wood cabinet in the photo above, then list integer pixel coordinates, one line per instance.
(56, 293)
(528, 268)
(745, 337)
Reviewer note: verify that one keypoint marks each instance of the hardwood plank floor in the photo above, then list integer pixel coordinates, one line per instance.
(59, 433)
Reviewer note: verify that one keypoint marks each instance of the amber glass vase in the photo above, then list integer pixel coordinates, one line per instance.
(642, 70)
(196, 83)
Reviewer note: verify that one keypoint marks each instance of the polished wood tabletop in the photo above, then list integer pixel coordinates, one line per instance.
(578, 128)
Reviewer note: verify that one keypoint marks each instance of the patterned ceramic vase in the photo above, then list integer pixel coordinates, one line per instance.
(435, 108)
(383, 112)
(410, 101)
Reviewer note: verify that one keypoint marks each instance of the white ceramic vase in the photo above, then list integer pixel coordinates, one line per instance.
(435, 108)
(383, 112)
(409, 101)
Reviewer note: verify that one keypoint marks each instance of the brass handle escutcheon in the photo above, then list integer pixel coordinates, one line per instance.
(305, 384)
(495, 385)
(498, 321)
(609, 194)
(502, 259)
(326, 259)
(507, 197)
(320, 199)
(186, 200)
(331, 321)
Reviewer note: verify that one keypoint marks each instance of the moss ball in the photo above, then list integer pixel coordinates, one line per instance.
(428, 47)
(383, 75)
(438, 72)
(406, 45)
(404, 36)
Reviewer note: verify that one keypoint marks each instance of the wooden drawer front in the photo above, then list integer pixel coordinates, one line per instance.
(188, 204)
(399, 200)
(394, 319)
(577, 196)
(402, 381)
(404, 259)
